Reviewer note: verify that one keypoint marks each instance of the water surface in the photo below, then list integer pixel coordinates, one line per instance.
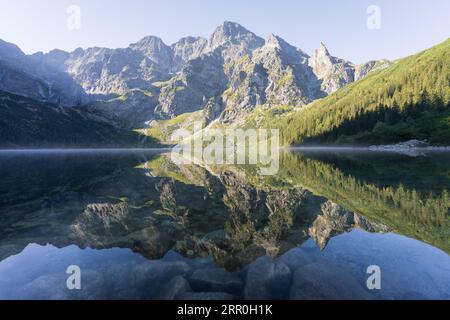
(142, 227)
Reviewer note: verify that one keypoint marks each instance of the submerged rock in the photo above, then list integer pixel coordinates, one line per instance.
(207, 296)
(213, 279)
(174, 289)
(318, 282)
(296, 258)
(54, 287)
(267, 279)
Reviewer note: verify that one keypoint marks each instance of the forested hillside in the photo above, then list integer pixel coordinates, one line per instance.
(409, 100)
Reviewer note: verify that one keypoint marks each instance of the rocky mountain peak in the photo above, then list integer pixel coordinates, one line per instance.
(156, 50)
(150, 45)
(188, 40)
(276, 41)
(234, 69)
(233, 33)
(322, 51)
(230, 29)
(10, 52)
(186, 49)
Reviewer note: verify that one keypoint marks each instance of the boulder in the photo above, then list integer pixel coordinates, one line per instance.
(214, 279)
(267, 279)
(319, 282)
(174, 289)
(207, 296)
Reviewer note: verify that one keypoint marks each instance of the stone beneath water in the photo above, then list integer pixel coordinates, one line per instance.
(174, 289)
(207, 296)
(215, 279)
(267, 279)
(316, 281)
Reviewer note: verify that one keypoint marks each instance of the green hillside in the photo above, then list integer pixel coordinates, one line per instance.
(408, 100)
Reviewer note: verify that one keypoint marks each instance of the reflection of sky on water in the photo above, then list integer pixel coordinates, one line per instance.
(410, 270)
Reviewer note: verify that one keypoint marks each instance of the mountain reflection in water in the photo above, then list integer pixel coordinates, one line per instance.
(142, 227)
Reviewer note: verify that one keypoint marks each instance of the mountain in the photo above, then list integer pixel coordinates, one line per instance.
(224, 77)
(29, 76)
(25, 122)
(192, 74)
(408, 100)
(188, 48)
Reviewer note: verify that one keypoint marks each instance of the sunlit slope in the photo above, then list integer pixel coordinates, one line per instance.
(407, 100)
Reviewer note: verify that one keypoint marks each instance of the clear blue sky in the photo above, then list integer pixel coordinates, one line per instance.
(407, 26)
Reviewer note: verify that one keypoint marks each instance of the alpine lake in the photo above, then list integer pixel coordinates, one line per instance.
(139, 226)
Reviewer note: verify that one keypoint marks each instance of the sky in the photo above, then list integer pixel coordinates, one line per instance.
(395, 29)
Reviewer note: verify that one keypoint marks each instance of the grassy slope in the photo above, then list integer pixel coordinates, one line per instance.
(162, 130)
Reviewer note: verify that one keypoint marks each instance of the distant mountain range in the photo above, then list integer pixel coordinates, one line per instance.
(224, 78)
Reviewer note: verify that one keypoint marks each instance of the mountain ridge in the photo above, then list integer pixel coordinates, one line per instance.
(230, 78)
(99, 74)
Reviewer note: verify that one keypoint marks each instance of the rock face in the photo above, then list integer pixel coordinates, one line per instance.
(201, 81)
(364, 69)
(231, 73)
(186, 49)
(106, 71)
(233, 41)
(335, 73)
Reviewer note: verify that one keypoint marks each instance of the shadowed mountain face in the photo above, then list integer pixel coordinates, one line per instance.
(29, 123)
(146, 227)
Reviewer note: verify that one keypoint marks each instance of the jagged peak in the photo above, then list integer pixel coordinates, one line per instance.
(274, 40)
(58, 52)
(231, 28)
(10, 48)
(148, 41)
(233, 31)
(322, 50)
(278, 42)
(189, 40)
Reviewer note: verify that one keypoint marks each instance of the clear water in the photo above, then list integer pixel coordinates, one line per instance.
(142, 227)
